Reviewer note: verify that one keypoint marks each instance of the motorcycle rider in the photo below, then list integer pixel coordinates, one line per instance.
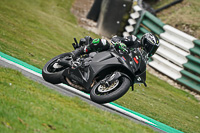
(149, 43)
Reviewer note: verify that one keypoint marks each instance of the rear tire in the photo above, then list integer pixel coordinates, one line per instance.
(54, 76)
(105, 97)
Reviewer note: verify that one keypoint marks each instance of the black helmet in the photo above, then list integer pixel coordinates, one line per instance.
(150, 43)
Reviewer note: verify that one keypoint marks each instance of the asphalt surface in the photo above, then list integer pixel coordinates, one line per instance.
(69, 93)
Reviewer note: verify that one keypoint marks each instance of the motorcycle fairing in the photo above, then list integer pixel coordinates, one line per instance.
(103, 62)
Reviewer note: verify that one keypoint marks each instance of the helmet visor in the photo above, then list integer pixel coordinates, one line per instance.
(153, 50)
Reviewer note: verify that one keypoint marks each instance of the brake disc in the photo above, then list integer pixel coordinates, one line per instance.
(103, 88)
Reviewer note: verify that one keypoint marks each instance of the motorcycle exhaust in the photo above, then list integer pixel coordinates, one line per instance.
(74, 85)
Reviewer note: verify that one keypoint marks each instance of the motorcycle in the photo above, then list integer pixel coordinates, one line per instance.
(106, 75)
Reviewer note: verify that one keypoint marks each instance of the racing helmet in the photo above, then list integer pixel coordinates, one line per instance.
(150, 43)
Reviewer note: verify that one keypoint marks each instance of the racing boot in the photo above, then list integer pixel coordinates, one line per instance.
(78, 45)
(83, 41)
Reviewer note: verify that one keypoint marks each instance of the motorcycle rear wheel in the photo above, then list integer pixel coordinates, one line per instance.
(51, 74)
(115, 91)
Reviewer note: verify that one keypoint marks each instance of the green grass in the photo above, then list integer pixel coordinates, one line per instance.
(27, 106)
(35, 31)
(183, 16)
(164, 103)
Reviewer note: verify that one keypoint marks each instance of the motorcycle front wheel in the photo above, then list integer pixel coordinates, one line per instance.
(52, 71)
(105, 94)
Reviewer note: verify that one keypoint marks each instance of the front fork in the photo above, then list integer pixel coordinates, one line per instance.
(108, 81)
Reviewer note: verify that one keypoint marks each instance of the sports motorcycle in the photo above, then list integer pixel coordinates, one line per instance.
(106, 75)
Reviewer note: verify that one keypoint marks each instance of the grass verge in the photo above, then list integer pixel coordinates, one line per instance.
(183, 16)
(164, 103)
(36, 30)
(27, 106)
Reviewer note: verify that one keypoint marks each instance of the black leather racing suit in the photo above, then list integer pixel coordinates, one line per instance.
(102, 45)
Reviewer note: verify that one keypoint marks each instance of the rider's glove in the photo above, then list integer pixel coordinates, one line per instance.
(121, 46)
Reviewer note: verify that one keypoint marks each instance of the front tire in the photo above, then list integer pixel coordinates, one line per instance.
(53, 75)
(102, 96)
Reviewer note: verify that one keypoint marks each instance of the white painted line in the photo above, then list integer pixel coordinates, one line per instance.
(20, 66)
(128, 113)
